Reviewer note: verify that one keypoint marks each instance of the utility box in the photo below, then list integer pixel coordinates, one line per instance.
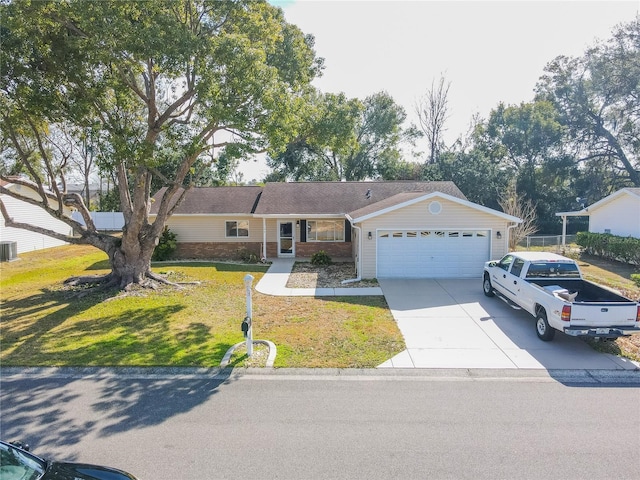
(8, 251)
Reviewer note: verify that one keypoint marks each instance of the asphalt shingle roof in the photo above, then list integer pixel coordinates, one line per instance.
(339, 197)
(305, 198)
(215, 200)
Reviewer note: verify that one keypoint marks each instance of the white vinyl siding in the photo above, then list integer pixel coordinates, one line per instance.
(212, 228)
(621, 216)
(27, 241)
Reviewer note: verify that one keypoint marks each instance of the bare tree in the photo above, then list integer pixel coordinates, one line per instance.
(432, 111)
(513, 204)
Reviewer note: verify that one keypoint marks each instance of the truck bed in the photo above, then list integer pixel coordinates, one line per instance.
(587, 292)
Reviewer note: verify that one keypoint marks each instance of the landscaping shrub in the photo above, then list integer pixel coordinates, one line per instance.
(612, 247)
(166, 246)
(636, 278)
(247, 256)
(321, 258)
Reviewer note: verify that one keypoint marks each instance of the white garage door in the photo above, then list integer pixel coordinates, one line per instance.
(432, 253)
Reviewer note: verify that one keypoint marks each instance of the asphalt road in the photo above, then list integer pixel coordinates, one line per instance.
(331, 424)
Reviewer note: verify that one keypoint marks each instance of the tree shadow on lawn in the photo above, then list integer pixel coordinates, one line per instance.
(135, 336)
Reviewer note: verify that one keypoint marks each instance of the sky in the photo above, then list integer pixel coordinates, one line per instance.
(489, 51)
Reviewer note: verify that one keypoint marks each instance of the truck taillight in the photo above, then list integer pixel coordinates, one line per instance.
(638, 314)
(566, 313)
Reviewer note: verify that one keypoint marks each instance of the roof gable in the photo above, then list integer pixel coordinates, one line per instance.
(633, 192)
(403, 200)
(587, 211)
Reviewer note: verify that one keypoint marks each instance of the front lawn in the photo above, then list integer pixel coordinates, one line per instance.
(45, 323)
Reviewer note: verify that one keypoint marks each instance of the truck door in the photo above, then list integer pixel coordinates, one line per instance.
(514, 281)
(499, 275)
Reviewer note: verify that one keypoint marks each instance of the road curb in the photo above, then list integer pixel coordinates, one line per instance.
(566, 377)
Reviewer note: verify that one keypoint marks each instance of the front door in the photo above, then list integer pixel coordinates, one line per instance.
(285, 239)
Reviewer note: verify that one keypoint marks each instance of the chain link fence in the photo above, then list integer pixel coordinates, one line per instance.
(546, 241)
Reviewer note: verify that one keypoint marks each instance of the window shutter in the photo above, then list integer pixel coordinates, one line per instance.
(303, 231)
(347, 230)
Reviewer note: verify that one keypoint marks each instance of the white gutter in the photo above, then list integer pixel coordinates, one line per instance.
(264, 239)
(509, 233)
(359, 233)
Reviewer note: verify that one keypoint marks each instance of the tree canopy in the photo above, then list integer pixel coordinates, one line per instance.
(344, 139)
(163, 81)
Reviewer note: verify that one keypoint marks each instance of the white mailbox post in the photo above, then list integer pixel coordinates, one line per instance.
(246, 324)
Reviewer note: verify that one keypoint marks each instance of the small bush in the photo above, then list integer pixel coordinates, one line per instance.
(247, 256)
(321, 258)
(166, 246)
(635, 277)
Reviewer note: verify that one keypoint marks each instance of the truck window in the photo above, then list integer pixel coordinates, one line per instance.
(516, 268)
(553, 269)
(505, 262)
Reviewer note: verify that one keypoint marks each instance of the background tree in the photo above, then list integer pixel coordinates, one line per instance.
(166, 79)
(325, 138)
(345, 139)
(513, 204)
(433, 111)
(598, 97)
(527, 141)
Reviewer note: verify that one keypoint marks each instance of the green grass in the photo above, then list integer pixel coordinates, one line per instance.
(47, 324)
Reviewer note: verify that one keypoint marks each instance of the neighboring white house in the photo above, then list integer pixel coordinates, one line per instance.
(21, 211)
(105, 221)
(617, 214)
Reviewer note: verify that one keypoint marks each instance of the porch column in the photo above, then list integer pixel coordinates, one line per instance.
(564, 230)
(264, 238)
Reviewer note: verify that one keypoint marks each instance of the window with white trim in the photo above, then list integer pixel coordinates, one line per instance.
(325, 230)
(235, 228)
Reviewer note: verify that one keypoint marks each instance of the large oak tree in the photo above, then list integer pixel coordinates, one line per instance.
(163, 81)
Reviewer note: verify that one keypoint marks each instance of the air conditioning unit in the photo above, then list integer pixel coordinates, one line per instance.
(8, 251)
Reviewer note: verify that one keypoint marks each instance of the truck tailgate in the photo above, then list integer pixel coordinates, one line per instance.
(595, 314)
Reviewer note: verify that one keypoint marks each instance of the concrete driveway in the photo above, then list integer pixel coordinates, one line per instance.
(451, 324)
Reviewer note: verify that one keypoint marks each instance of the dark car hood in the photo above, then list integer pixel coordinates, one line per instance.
(81, 471)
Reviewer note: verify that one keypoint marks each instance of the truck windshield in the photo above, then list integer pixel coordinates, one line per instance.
(552, 269)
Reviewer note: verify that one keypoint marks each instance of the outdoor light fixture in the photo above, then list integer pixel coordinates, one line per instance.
(369, 236)
(499, 235)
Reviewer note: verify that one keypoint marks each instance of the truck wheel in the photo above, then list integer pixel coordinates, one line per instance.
(486, 286)
(543, 329)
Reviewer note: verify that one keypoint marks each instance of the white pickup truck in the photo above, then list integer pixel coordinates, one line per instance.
(551, 288)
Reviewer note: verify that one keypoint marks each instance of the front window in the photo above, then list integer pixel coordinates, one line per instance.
(325, 231)
(237, 228)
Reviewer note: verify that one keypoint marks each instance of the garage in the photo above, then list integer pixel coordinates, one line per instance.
(432, 253)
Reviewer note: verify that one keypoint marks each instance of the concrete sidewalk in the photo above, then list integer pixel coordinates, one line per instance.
(274, 282)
